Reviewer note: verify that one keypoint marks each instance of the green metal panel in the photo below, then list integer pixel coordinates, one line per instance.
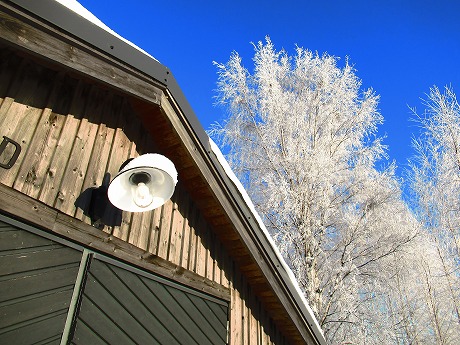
(37, 276)
(120, 306)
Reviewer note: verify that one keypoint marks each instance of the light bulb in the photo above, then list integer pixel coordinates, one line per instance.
(142, 196)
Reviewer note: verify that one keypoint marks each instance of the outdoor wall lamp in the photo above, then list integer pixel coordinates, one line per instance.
(143, 183)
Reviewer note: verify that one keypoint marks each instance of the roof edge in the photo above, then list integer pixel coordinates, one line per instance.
(243, 199)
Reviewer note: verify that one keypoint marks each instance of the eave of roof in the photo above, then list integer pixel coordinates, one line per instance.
(74, 19)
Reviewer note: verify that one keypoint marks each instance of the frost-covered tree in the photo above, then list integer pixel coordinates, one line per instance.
(435, 183)
(302, 138)
(417, 299)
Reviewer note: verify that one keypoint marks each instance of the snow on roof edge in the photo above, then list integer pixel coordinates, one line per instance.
(79, 9)
(231, 175)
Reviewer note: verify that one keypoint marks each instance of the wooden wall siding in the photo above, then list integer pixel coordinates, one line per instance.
(75, 135)
(37, 277)
(250, 323)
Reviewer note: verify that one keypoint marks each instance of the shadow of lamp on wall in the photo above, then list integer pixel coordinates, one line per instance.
(142, 184)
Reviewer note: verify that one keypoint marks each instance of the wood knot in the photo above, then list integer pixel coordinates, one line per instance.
(31, 176)
(61, 196)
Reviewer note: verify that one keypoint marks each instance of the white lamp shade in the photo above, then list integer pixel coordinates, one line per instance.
(144, 184)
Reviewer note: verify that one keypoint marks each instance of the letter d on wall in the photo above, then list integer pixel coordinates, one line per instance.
(14, 157)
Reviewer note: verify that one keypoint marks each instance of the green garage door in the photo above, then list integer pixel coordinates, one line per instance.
(44, 278)
(123, 307)
(37, 277)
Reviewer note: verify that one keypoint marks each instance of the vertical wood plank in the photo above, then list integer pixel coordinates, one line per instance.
(10, 82)
(133, 231)
(139, 234)
(217, 248)
(177, 228)
(34, 167)
(187, 205)
(193, 239)
(72, 181)
(236, 309)
(146, 230)
(225, 276)
(97, 165)
(201, 250)
(22, 79)
(210, 254)
(22, 115)
(50, 188)
(260, 340)
(165, 229)
(253, 317)
(155, 231)
(265, 332)
(56, 122)
(245, 301)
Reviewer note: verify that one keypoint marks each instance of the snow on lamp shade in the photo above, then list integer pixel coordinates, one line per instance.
(145, 183)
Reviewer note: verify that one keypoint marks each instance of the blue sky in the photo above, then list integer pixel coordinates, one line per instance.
(399, 48)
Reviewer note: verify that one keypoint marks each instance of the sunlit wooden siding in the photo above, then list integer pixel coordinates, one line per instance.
(73, 134)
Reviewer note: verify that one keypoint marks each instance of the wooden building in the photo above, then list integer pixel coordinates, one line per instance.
(76, 101)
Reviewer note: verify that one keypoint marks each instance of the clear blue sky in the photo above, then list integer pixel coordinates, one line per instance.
(399, 48)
